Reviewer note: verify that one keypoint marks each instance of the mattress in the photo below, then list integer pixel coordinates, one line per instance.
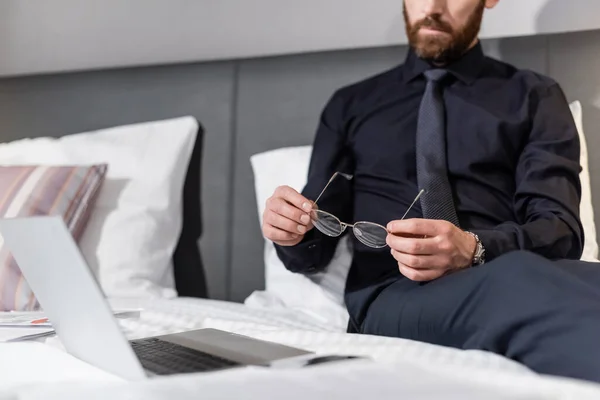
(396, 366)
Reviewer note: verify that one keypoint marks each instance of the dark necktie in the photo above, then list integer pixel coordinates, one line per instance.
(432, 168)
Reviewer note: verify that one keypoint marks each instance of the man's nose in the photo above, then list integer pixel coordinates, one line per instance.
(433, 7)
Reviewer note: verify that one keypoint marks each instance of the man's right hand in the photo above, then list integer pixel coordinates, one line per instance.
(287, 217)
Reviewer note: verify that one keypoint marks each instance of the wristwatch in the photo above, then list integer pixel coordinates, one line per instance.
(479, 255)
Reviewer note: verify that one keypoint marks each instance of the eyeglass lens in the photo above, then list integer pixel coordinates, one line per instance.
(327, 223)
(369, 233)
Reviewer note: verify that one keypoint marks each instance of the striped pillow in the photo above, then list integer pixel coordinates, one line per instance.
(69, 191)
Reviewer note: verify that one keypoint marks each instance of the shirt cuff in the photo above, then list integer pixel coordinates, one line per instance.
(305, 256)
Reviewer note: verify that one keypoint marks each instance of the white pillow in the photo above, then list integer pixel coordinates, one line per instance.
(323, 293)
(134, 228)
(590, 249)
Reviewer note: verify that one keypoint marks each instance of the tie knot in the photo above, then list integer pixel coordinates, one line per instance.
(435, 75)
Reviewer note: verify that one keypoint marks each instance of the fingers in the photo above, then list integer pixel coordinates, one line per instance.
(416, 261)
(293, 197)
(279, 206)
(285, 224)
(425, 249)
(420, 227)
(420, 275)
(285, 221)
(278, 235)
(415, 246)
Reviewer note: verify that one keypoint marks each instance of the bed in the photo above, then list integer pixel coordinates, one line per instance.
(164, 279)
(396, 367)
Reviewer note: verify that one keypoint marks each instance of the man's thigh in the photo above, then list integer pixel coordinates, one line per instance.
(475, 308)
(427, 312)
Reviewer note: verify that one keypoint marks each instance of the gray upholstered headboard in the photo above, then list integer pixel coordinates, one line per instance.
(251, 106)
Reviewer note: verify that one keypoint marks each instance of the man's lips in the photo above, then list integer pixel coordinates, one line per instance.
(432, 29)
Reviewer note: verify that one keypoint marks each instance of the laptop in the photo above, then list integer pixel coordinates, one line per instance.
(71, 298)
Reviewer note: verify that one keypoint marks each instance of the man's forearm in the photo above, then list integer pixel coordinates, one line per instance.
(548, 189)
(550, 238)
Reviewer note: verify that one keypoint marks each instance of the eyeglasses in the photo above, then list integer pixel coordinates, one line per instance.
(369, 233)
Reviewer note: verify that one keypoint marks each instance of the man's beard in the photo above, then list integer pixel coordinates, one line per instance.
(443, 49)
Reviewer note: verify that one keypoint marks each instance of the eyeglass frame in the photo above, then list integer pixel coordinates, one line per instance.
(345, 225)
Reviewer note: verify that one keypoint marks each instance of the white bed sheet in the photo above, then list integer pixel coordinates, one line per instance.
(343, 381)
(402, 361)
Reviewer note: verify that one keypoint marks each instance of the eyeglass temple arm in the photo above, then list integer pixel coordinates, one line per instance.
(413, 203)
(347, 176)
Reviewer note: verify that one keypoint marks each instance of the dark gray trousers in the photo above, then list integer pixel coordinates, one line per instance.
(543, 314)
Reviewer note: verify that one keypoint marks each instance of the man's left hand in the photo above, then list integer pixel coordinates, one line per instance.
(429, 249)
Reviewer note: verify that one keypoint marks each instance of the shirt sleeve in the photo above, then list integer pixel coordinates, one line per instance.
(548, 188)
(330, 154)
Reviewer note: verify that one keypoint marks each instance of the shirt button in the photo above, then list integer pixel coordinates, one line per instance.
(312, 247)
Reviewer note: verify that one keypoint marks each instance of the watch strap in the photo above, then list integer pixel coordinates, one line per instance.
(479, 253)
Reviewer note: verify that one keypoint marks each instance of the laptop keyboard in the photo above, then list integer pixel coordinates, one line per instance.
(166, 358)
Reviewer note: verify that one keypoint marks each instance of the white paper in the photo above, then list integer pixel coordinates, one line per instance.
(23, 319)
(11, 334)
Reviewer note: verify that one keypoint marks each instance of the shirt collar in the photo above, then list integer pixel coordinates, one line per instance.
(467, 68)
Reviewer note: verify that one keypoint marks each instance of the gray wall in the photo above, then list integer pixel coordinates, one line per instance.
(254, 105)
(66, 35)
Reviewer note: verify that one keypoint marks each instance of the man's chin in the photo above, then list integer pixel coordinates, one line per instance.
(429, 50)
(434, 39)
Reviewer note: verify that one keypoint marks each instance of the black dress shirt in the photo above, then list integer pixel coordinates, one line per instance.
(513, 163)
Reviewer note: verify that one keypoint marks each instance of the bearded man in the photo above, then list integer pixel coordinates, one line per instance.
(483, 158)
